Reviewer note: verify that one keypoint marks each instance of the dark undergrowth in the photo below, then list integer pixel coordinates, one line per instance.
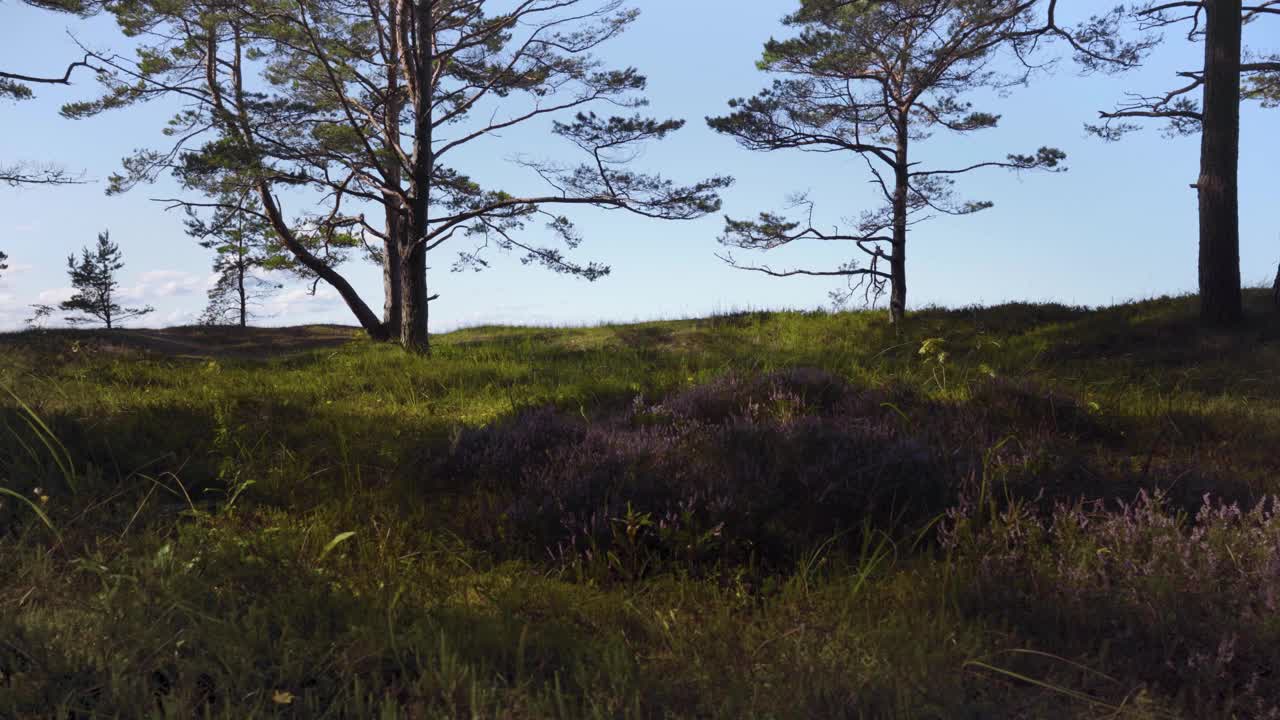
(1025, 511)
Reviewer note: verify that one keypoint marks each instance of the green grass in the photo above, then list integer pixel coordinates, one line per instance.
(240, 538)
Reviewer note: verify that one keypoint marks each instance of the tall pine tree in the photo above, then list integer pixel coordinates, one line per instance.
(873, 79)
(374, 106)
(1207, 103)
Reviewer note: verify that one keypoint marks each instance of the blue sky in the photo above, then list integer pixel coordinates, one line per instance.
(1120, 225)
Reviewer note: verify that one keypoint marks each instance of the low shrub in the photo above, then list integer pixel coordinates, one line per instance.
(740, 470)
(1185, 603)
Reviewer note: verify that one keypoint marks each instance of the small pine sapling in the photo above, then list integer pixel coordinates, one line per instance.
(94, 280)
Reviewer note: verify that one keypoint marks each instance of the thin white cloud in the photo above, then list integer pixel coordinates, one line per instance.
(14, 312)
(174, 318)
(323, 294)
(165, 289)
(154, 284)
(295, 306)
(53, 296)
(508, 314)
(13, 272)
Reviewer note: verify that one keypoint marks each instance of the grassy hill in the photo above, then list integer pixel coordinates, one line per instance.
(1021, 511)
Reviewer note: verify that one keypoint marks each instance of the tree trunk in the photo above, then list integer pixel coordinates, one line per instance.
(394, 225)
(413, 258)
(391, 273)
(413, 306)
(244, 299)
(898, 258)
(371, 323)
(898, 274)
(1275, 290)
(1220, 291)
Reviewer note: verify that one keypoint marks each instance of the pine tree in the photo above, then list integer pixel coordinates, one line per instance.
(1207, 103)
(244, 245)
(379, 106)
(873, 80)
(94, 279)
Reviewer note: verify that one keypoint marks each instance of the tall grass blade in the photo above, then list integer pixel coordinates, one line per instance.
(61, 456)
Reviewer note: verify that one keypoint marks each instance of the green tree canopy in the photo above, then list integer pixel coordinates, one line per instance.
(362, 109)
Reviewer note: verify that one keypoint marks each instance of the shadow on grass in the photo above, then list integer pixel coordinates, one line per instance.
(282, 634)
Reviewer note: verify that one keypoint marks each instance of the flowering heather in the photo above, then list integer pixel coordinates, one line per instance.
(764, 466)
(741, 467)
(1187, 603)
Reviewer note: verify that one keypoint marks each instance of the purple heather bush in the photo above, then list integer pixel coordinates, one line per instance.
(1189, 603)
(742, 469)
(758, 469)
(499, 453)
